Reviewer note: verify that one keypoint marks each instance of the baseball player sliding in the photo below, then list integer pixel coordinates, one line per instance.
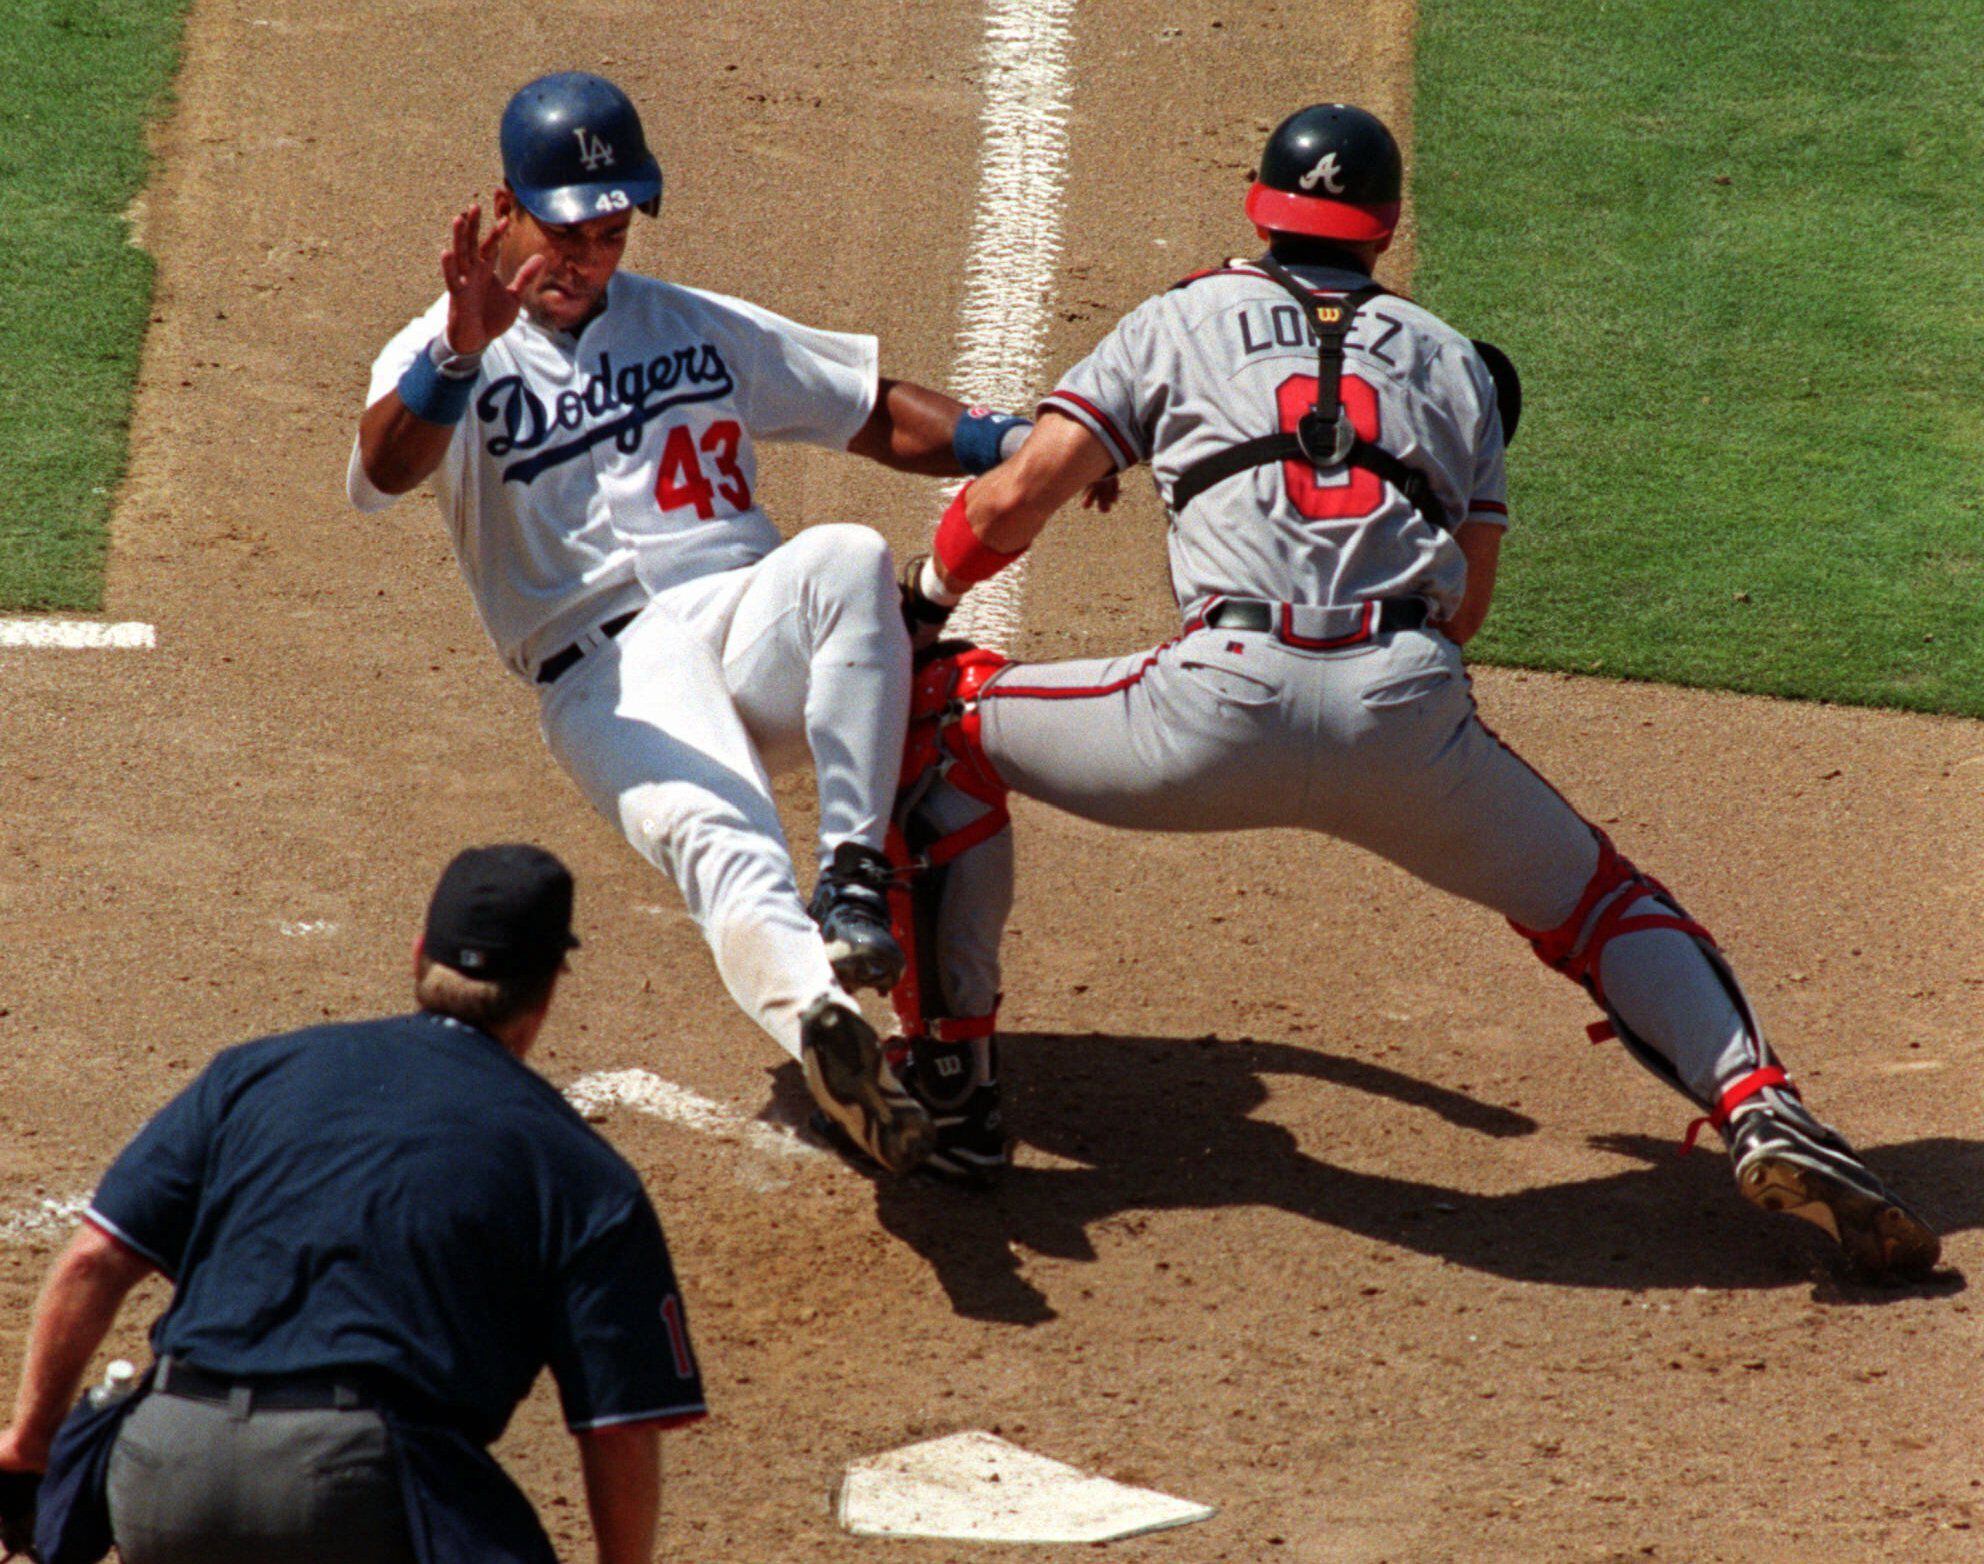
(1332, 458)
(590, 434)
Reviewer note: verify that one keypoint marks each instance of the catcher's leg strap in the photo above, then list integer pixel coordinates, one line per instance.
(942, 743)
(964, 1029)
(1603, 913)
(1622, 900)
(915, 902)
(1733, 1097)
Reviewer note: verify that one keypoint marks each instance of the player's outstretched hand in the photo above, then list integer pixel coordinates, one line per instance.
(1101, 494)
(481, 306)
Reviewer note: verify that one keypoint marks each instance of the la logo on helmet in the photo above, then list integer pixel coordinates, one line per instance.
(593, 152)
(1326, 173)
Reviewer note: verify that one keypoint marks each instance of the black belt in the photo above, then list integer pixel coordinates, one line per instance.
(268, 1392)
(553, 667)
(1246, 613)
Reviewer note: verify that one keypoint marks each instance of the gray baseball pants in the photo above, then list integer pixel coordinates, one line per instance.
(192, 1482)
(1377, 744)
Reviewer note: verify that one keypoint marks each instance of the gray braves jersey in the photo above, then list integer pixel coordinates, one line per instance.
(1364, 732)
(596, 470)
(1226, 356)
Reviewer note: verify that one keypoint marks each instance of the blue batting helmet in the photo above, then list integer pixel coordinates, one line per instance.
(573, 150)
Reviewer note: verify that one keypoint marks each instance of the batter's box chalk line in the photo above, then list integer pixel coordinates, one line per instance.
(977, 1487)
(594, 1096)
(76, 635)
(43, 1217)
(643, 1091)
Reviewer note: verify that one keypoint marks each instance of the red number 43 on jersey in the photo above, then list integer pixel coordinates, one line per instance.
(682, 480)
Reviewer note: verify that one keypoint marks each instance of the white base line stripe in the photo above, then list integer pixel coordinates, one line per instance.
(76, 635)
(1015, 242)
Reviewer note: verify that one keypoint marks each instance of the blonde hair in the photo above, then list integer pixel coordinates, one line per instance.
(478, 1002)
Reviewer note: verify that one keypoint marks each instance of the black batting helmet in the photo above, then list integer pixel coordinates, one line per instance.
(573, 150)
(1330, 171)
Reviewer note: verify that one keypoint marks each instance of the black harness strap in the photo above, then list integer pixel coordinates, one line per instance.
(1324, 438)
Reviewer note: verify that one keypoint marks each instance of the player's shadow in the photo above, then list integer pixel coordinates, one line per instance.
(1152, 1123)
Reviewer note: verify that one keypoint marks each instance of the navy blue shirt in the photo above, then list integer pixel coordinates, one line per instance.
(406, 1198)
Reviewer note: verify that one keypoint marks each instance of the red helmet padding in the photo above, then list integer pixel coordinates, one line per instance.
(1282, 211)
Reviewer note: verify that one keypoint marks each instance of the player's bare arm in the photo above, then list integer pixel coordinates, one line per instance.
(915, 429)
(622, 1467)
(75, 1313)
(400, 449)
(912, 429)
(1481, 543)
(1004, 511)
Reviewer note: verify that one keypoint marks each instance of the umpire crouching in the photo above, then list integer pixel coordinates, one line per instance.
(379, 1233)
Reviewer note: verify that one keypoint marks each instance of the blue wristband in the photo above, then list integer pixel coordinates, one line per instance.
(430, 395)
(979, 434)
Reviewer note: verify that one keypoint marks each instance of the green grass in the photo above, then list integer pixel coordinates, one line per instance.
(1735, 250)
(79, 79)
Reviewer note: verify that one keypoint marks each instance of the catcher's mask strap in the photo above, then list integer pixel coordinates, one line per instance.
(1329, 320)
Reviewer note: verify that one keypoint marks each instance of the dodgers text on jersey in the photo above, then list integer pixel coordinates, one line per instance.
(644, 391)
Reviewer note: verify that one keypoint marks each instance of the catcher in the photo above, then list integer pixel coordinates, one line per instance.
(1332, 458)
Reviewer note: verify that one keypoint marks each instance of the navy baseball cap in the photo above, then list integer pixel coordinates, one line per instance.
(573, 150)
(500, 913)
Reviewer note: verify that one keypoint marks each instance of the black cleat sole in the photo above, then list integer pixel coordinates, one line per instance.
(1882, 1238)
(842, 1060)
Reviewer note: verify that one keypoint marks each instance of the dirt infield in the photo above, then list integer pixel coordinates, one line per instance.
(1326, 1215)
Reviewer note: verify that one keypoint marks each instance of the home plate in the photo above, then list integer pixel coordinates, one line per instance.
(976, 1487)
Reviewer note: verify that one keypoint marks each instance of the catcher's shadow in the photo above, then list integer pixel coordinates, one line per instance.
(1150, 1123)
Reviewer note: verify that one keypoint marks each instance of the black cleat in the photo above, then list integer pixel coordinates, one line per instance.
(957, 1083)
(856, 1089)
(1786, 1160)
(851, 906)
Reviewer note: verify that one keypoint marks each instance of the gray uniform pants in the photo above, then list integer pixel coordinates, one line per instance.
(1377, 744)
(195, 1483)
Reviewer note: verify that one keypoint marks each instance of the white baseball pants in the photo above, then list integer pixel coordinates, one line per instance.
(673, 728)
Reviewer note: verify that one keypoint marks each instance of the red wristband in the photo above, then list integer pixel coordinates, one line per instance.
(965, 559)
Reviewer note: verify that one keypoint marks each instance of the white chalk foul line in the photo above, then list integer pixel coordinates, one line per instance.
(76, 635)
(646, 1092)
(1015, 241)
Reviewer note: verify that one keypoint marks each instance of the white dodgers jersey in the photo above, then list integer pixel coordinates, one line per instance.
(1227, 356)
(597, 468)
